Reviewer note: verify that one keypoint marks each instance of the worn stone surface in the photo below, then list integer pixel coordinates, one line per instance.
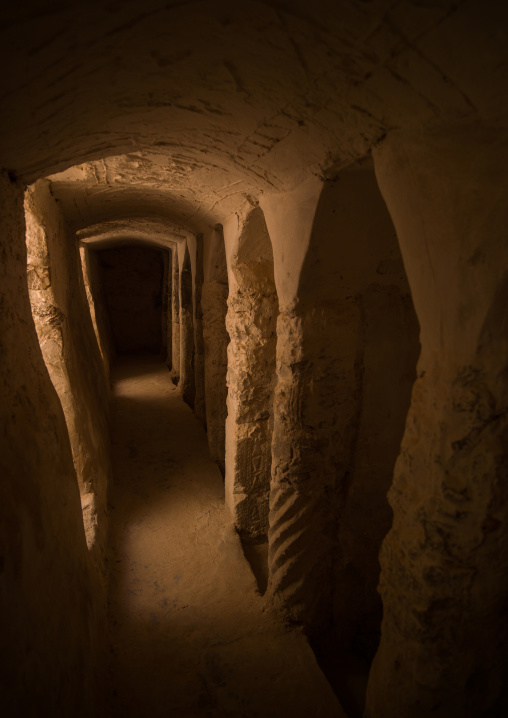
(196, 254)
(251, 324)
(346, 351)
(347, 73)
(167, 118)
(47, 589)
(354, 264)
(444, 563)
(164, 307)
(214, 295)
(169, 307)
(64, 328)
(96, 305)
(175, 317)
(187, 384)
(315, 420)
(387, 352)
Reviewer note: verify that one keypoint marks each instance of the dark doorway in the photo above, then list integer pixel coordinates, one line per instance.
(131, 278)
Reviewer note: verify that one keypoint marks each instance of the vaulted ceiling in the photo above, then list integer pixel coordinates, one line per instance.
(183, 109)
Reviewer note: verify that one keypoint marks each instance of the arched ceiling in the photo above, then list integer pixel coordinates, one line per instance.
(182, 108)
(165, 186)
(148, 231)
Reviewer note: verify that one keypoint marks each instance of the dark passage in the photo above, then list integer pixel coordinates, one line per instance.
(131, 278)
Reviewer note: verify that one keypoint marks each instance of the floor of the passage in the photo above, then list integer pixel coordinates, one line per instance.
(190, 635)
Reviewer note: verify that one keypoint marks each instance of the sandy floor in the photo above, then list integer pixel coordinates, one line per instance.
(189, 632)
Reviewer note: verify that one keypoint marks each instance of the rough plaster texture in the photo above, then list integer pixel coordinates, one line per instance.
(132, 281)
(444, 563)
(50, 643)
(346, 351)
(65, 332)
(251, 324)
(214, 295)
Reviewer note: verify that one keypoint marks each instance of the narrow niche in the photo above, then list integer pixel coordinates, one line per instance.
(366, 348)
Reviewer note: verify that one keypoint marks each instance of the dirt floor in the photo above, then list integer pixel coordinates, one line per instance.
(190, 635)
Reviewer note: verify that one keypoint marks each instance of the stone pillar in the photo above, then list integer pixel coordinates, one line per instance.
(214, 296)
(368, 347)
(199, 350)
(166, 326)
(48, 594)
(346, 352)
(187, 384)
(175, 316)
(444, 580)
(251, 323)
(169, 308)
(64, 327)
(300, 521)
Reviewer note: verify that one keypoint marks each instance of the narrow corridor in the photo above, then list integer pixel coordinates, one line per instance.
(189, 632)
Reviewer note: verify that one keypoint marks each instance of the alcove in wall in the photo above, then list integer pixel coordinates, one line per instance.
(347, 347)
